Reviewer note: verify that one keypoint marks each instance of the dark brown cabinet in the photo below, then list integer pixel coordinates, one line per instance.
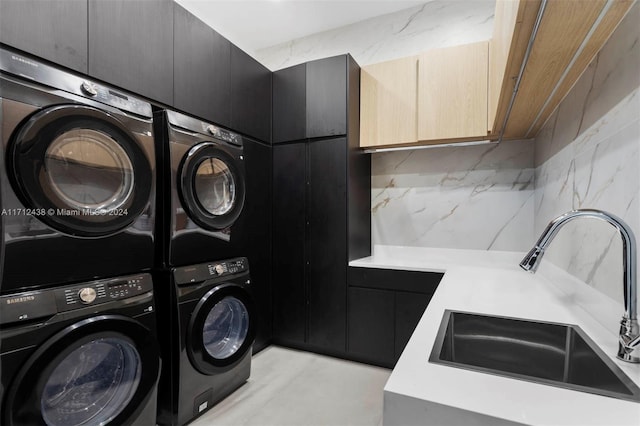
(201, 69)
(384, 308)
(257, 233)
(321, 208)
(131, 46)
(310, 100)
(250, 96)
(53, 30)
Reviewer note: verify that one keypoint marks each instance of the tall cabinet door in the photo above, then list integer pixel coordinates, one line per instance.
(53, 30)
(289, 295)
(327, 243)
(131, 45)
(202, 69)
(250, 96)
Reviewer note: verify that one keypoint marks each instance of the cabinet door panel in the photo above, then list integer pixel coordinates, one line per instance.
(327, 97)
(289, 298)
(452, 92)
(257, 236)
(371, 329)
(131, 46)
(53, 30)
(202, 69)
(389, 102)
(289, 104)
(409, 309)
(327, 243)
(250, 96)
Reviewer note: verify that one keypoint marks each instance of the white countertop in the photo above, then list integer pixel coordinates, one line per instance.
(492, 283)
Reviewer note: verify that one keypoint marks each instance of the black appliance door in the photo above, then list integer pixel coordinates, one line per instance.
(99, 371)
(80, 169)
(221, 330)
(211, 186)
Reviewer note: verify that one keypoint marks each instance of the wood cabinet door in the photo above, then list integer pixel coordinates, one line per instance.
(55, 30)
(131, 46)
(389, 103)
(289, 227)
(327, 243)
(371, 325)
(452, 93)
(289, 104)
(326, 99)
(250, 96)
(202, 69)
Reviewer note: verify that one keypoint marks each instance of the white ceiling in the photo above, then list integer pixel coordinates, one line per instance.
(256, 24)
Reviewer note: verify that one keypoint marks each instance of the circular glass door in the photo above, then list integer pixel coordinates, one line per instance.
(225, 328)
(97, 371)
(92, 385)
(211, 186)
(221, 330)
(81, 170)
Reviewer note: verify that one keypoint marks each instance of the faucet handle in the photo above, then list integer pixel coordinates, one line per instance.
(629, 340)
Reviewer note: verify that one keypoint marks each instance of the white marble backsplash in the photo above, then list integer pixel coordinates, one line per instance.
(588, 156)
(473, 197)
(438, 23)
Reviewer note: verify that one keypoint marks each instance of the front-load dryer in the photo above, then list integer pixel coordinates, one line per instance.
(210, 320)
(205, 173)
(78, 177)
(80, 354)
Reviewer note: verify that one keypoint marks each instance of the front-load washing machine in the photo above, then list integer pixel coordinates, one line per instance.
(210, 320)
(205, 173)
(80, 354)
(77, 176)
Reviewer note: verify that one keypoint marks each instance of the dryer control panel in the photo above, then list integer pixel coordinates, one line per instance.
(42, 303)
(204, 271)
(102, 291)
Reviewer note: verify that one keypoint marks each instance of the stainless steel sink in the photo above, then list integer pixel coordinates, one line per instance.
(548, 353)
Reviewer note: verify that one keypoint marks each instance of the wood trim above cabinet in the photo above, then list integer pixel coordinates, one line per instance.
(389, 103)
(452, 92)
(571, 33)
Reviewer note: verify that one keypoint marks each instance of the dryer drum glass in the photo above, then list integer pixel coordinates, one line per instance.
(225, 328)
(215, 186)
(92, 385)
(89, 171)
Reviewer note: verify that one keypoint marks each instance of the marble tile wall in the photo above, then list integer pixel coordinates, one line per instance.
(588, 156)
(438, 23)
(473, 197)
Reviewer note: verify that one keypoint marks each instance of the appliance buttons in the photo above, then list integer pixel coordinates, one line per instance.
(219, 269)
(89, 88)
(87, 295)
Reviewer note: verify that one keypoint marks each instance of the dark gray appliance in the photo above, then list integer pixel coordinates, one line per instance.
(204, 169)
(78, 177)
(80, 354)
(209, 318)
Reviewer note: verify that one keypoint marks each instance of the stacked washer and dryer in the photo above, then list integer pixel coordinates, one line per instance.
(78, 326)
(203, 289)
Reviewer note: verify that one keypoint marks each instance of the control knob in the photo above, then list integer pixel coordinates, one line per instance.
(87, 295)
(89, 88)
(219, 269)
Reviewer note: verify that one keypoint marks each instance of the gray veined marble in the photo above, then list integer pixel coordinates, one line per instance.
(476, 197)
(438, 23)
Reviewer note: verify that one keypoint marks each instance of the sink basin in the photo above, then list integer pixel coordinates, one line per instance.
(548, 353)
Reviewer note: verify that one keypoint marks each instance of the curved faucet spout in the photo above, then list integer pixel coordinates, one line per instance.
(629, 325)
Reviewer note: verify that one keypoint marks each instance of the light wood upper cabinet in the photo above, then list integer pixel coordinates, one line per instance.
(464, 93)
(452, 93)
(388, 103)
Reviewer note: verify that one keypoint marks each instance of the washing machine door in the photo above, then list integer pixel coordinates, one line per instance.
(221, 330)
(80, 170)
(211, 186)
(98, 371)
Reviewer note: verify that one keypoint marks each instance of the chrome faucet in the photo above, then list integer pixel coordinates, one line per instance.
(629, 338)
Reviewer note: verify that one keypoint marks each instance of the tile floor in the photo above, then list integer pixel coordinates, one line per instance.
(295, 388)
